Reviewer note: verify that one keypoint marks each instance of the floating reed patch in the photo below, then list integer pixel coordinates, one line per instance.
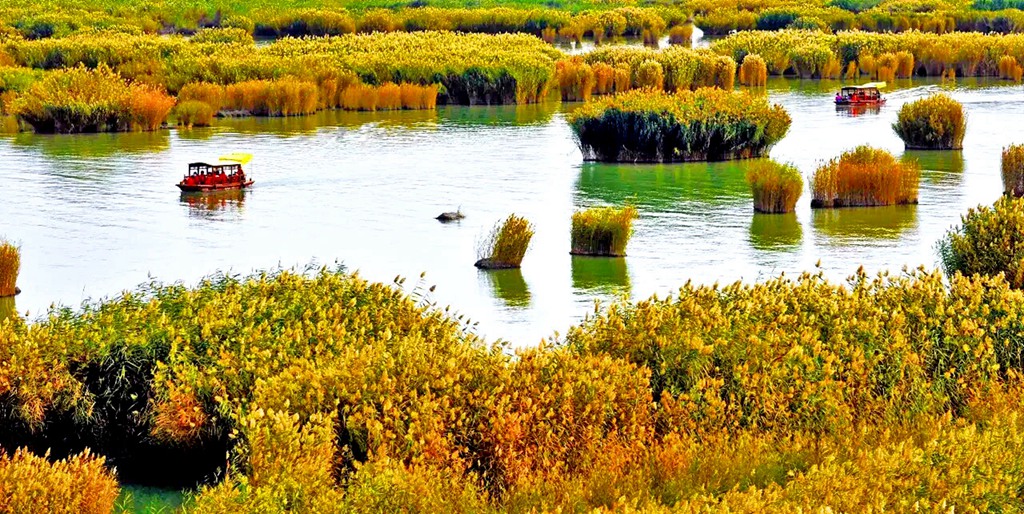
(865, 177)
(10, 265)
(602, 231)
(652, 126)
(753, 71)
(1012, 164)
(776, 187)
(506, 244)
(934, 123)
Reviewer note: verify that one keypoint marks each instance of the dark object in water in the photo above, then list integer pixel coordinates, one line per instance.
(17, 290)
(491, 264)
(446, 217)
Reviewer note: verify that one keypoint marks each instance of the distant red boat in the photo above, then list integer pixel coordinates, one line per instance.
(217, 177)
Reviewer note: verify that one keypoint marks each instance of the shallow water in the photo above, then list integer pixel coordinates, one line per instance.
(97, 214)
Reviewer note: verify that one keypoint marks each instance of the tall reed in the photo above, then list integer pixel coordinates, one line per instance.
(865, 177)
(10, 265)
(934, 123)
(776, 187)
(650, 74)
(1010, 68)
(81, 484)
(602, 231)
(1012, 167)
(576, 79)
(753, 71)
(506, 244)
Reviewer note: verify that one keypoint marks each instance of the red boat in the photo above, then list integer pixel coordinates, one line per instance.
(217, 177)
(864, 95)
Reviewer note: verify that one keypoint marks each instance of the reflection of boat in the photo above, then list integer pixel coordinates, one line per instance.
(861, 96)
(213, 200)
(857, 110)
(203, 177)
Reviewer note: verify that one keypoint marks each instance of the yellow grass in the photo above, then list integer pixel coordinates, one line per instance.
(506, 244)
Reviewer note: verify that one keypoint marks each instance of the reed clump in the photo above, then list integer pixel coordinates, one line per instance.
(1012, 170)
(934, 123)
(576, 79)
(776, 187)
(80, 484)
(506, 244)
(654, 126)
(91, 100)
(753, 71)
(602, 231)
(193, 113)
(10, 265)
(681, 35)
(1010, 68)
(865, 177)
(989, 241)
(681, 67)
(210, 94)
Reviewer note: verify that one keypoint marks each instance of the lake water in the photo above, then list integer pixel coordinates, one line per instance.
(96, 214)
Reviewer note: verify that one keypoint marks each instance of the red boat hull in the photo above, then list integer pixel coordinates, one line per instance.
(197, 188)
(860, 104)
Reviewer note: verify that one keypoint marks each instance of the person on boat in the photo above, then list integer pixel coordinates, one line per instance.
(839, 97)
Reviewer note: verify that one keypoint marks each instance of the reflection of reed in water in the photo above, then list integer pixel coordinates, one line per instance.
(209, 203)
(864, 223)
(775, 231)
(7, 308)
(509, 285)
(939, 167)
(196, 133)
(608, 274)
(664, 187)
(103, 144)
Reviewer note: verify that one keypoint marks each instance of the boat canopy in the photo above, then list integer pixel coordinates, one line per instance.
(241, 158)
(869, 85)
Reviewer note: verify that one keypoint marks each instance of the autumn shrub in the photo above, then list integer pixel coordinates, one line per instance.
(80, 484)
(653, 126)
(1012, 167)
(776, 187)
(934, 123)
(282, 97)
(865, 176)
(753, 71)
(193, 113)
(97, 100)
(506, 244)
(988, 241)
(602, 231)
(904, 64)
(10, 264)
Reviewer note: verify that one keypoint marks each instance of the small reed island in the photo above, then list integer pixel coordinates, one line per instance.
(602, 231)
(708, 124)
(934, 123)
(865, 177)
